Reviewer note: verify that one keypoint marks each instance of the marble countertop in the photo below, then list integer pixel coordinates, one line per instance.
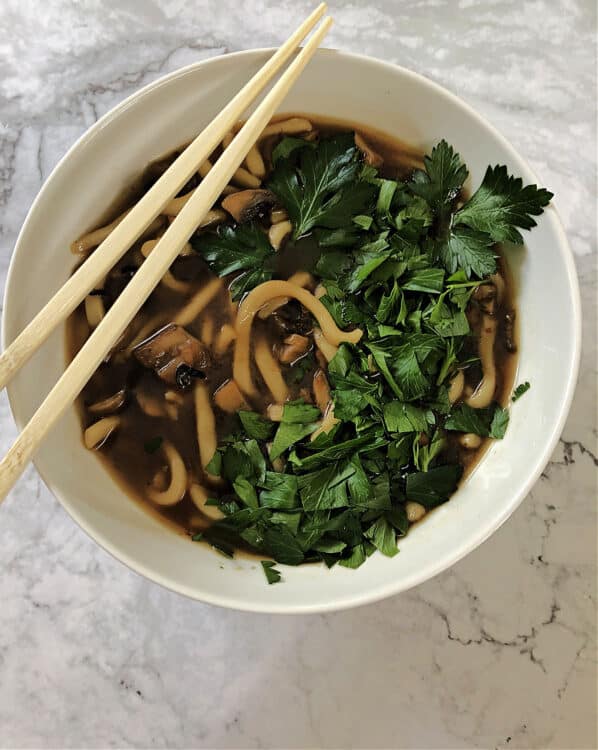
(497, 652)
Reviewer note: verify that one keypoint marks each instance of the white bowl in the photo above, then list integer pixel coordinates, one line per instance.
(171, 111)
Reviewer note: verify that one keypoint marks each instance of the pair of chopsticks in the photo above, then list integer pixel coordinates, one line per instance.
(158, 262)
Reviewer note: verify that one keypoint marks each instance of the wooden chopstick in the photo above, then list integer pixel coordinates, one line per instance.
(97, 266)
(152, 270)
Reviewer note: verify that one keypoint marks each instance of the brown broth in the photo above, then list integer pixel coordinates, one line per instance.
(123, 454)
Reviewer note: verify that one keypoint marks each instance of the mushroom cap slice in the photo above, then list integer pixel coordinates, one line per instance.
(247, 204)
(170, 348)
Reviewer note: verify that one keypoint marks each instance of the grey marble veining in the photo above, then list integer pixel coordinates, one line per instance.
(497, 652)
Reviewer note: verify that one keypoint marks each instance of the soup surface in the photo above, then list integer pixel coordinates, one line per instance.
(223, 410)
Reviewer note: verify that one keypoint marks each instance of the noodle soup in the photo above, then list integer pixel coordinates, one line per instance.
(312, 376)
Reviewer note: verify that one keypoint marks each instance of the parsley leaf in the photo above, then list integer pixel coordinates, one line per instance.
(383, 537)
(443, 178)
(326, 488)
(430, 488)
(400, 417)
(244, 248)
(491, 421)
(245, 492)
(298, 412)
(298, 421)
(288, 434)
(320, 188)
(468, 249)
(520, 390)
(256, 426)
(272, 575)
(501, 205)
(242, 459)
(279, 491)
(282, 544)
(366, 260)
(357, 557)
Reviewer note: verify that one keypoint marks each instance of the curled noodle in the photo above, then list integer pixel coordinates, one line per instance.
(175, 491)
(253, 303)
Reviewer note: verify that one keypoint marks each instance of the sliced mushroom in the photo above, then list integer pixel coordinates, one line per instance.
(213, 217)
(291, 318)
(371, 157)
(172, 351)
(109, 405)
(277, 215)
(247, 204)
(294, 347)
(321, 391)
(229, 398)
(278, 233)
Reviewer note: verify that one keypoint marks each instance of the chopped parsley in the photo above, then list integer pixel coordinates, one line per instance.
(399, 259)
(520, 390)
(272, 575)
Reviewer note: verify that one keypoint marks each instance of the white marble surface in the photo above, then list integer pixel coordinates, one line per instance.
(497, 652)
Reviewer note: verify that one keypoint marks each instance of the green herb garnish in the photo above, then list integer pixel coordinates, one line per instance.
(242, 249)
(520, 390)
(272, 575)
(320, 186)
(401, 261)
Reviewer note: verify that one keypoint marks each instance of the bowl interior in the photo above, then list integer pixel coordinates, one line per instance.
(160, 118)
